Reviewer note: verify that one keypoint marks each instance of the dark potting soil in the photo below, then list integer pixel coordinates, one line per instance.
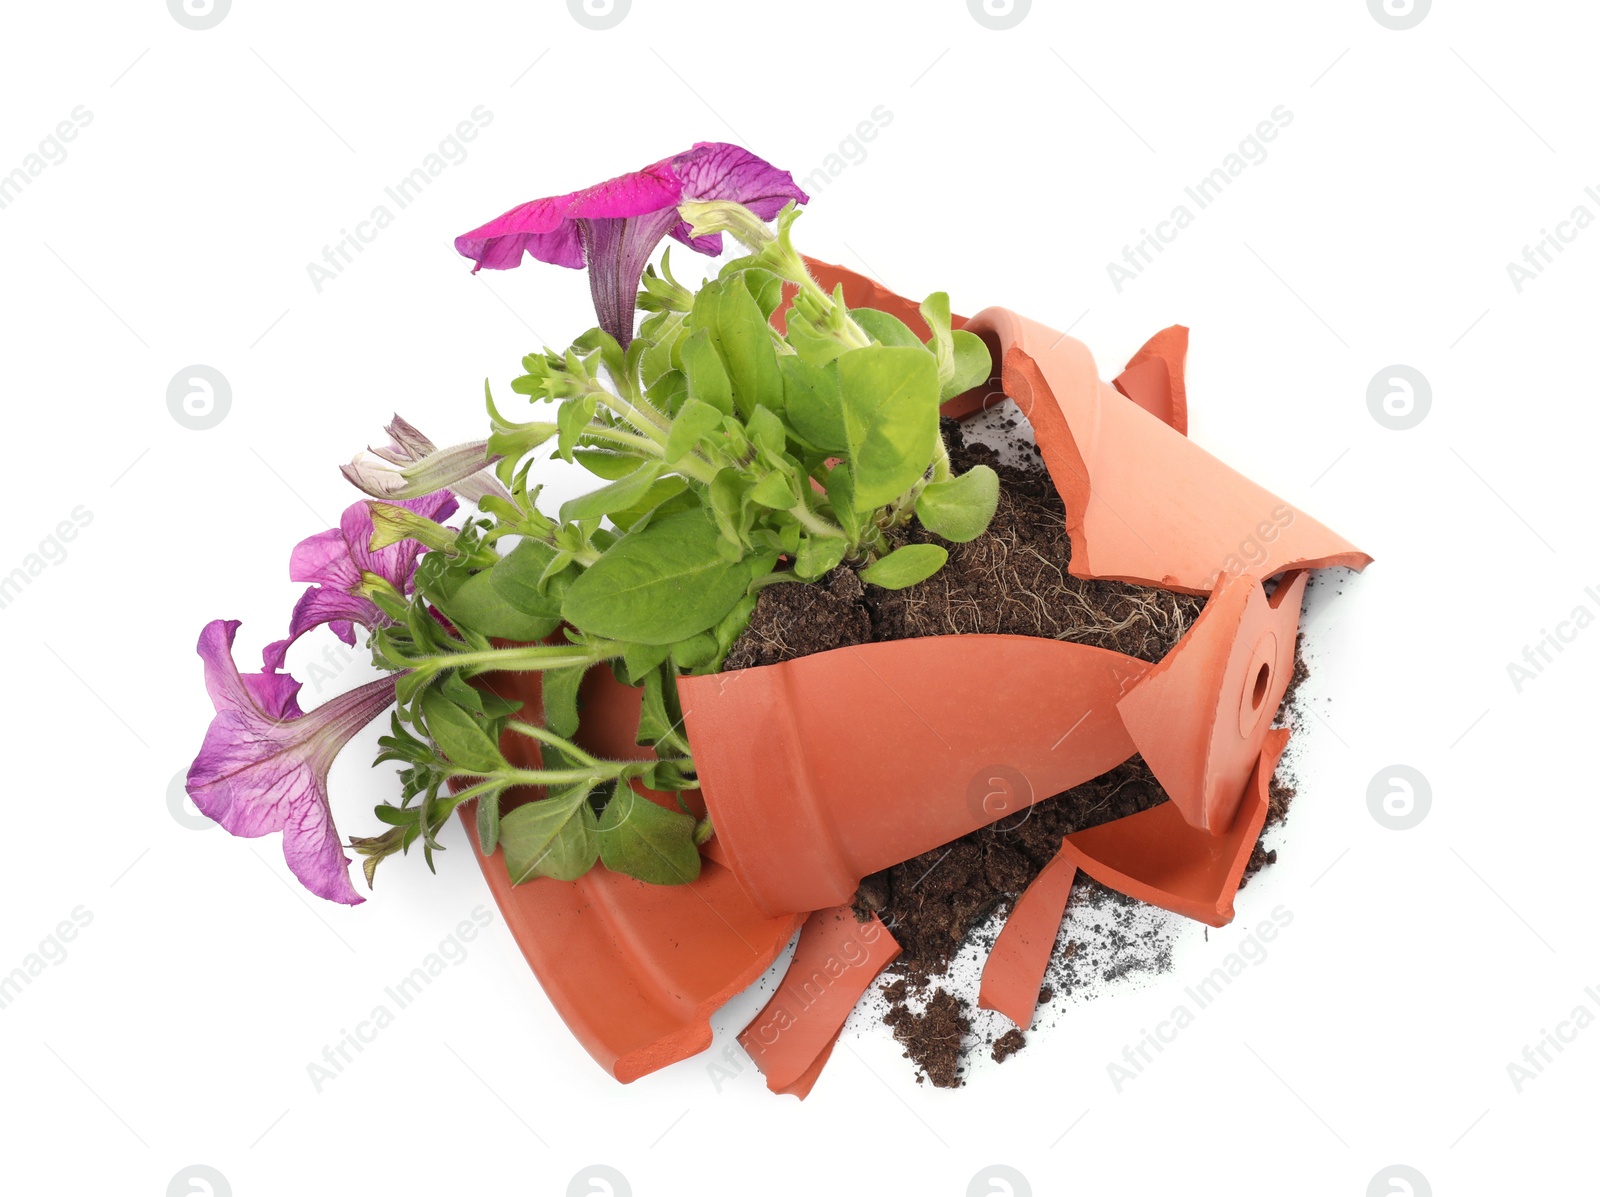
(1011, 580)
(935, 1037)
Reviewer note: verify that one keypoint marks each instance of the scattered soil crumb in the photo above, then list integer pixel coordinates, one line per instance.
(1008, 1045)
(933, 1038)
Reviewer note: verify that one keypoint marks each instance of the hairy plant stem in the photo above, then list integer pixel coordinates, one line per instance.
(527, 658)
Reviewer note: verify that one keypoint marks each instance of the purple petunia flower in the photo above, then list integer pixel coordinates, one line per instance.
(615, 226)
(264, 764)
(335, 560)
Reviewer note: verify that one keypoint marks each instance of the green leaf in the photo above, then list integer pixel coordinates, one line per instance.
(655, 722)
(662, 493)
(817, 348)
(459, 736)
(842, 498)
(906, 566)
(477, 605)
(488, 821)
(540, 841)
(560, 690)
(518, 578)
(395, 816)
(707, 376)
(765, 287)
(606, 464)
(936, 311)
(647, 841)
(698, 419)
(767, 431)
(572, 418)
(638, 660)
(743, 340)
(775, 491)
(657, 586)
(818, 555)
(668, 392)
(574, 848)
(727, 493)
(884, 328)
(960, 509)
(813, 406)
(668, 776)
(733, 624)
(616, 496)
(890, 397)
(695, 651)
(974, 364)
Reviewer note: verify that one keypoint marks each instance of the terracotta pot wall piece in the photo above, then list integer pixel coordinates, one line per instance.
(1014, 971)
(819, 771)
(1144, 503)
(635, 971)
(1156, 857)
(834, 962)
(1199, 717)
(1153, 377)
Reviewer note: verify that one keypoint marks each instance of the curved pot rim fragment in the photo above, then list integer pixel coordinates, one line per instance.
(1144, 503)
(1200, 716)
(835, 961)
(1156, 857)
(635, 971)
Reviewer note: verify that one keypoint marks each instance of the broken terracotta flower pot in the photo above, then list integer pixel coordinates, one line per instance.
(1157, 857)
(834, 962)
(1199, 717)
(1145, 504)
(821, 770)
(634, 970)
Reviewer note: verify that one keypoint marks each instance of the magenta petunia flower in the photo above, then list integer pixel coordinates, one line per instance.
(264, 764)
(615, 226)
(335, 560)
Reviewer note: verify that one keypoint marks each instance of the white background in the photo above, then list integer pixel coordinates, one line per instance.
(1017, 164)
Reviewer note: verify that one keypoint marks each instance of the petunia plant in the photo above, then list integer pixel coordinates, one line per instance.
(749, 432)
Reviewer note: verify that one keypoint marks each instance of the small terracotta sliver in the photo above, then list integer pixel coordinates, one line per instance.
(1014, 971)
(1153, 377)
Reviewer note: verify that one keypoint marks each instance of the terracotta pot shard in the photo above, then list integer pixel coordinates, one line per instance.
(1156, 857)
(1199, 717)
(821, 770)
(1153, 377)
(834, 962)
(1144, 503)
(635, 971)
(1016, 965)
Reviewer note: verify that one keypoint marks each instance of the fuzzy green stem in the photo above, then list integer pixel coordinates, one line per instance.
(527, 658)
(545, 736)
(814, 523)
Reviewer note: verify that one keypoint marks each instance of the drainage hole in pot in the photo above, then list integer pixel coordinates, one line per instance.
(1263, 676)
